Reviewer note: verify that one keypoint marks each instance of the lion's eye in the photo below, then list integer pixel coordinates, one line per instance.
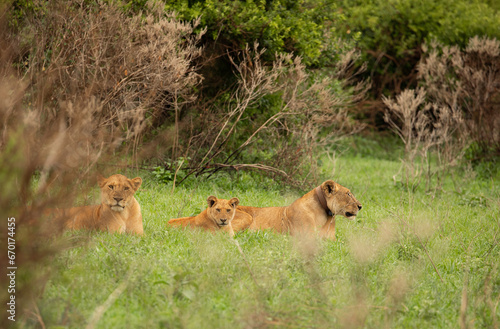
(228, 210)
(110, 187)
(218, 210)
(126, 188)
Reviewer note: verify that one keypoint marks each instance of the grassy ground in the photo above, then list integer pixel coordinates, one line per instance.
(410, 259)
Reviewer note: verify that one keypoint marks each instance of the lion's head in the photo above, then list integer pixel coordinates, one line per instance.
(340, 200)
(117, 190)
(221, 211)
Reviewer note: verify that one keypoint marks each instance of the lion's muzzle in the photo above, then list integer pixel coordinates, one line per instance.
(223, 222)
(119, 204)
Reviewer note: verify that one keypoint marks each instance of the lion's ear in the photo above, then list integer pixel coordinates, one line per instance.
(211, 201)
(101, 180)
(234, 202)
(330, 187)
(136, 183)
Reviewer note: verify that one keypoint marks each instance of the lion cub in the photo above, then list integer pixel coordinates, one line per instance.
(219, 215)
(118, 212)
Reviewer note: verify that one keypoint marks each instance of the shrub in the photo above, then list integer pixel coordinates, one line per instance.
(424, 127)
(296, 114)
(150, 63)
(129, 63)
(77, 82)
(469, 81)
(393, 31)
(304, 27)
(456, 106)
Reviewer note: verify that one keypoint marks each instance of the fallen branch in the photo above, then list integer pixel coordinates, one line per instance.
(217, 166)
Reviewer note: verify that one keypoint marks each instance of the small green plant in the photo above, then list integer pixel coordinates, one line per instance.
(163, 175)
(473, 201)
(171, 170)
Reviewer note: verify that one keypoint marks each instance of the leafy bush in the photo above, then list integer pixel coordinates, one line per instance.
(307, 28)
(304, 27)
(393, 31)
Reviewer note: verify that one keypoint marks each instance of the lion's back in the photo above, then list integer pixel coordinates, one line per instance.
(266, 217)
(84, 217)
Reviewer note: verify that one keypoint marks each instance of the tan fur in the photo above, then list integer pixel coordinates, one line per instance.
(219, 215)
(118, 212)
(306, 214)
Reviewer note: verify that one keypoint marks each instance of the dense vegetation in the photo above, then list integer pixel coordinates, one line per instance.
(397, 100)
(393, 32)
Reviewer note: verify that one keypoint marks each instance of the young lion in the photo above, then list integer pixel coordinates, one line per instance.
(219, 214)
(118, 212)
(314, 211)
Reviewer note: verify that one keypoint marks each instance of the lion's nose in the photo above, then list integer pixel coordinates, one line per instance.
(118, 199)
(359, 206)
(223, 220)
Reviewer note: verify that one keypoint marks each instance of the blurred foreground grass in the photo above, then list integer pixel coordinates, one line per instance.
(410, 259)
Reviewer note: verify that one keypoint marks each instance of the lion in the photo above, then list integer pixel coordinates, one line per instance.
(315, 211)
(219, 215)
(119, 211)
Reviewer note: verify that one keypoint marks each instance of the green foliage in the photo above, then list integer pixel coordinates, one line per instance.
(18, 9)
(165, 174)
(303, 27)
(134, 5)
(486, 163)
(399, 27)
(393, 31)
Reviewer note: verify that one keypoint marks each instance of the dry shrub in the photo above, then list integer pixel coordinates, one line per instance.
(296, 125)
(44, 161)
(88, 75)
(320, 117)
(467, 81)
(409, 117)
(457, 104)
(424, 127)
(131, 64)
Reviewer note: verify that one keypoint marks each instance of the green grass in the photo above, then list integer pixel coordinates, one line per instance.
(383, 271)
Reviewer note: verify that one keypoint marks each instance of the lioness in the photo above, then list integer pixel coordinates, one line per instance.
(219, 214)
(314, 211)
(118, 212)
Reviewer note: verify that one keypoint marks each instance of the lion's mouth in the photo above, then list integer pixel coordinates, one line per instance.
(350, 214)
(117, 207)
(223, 224)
